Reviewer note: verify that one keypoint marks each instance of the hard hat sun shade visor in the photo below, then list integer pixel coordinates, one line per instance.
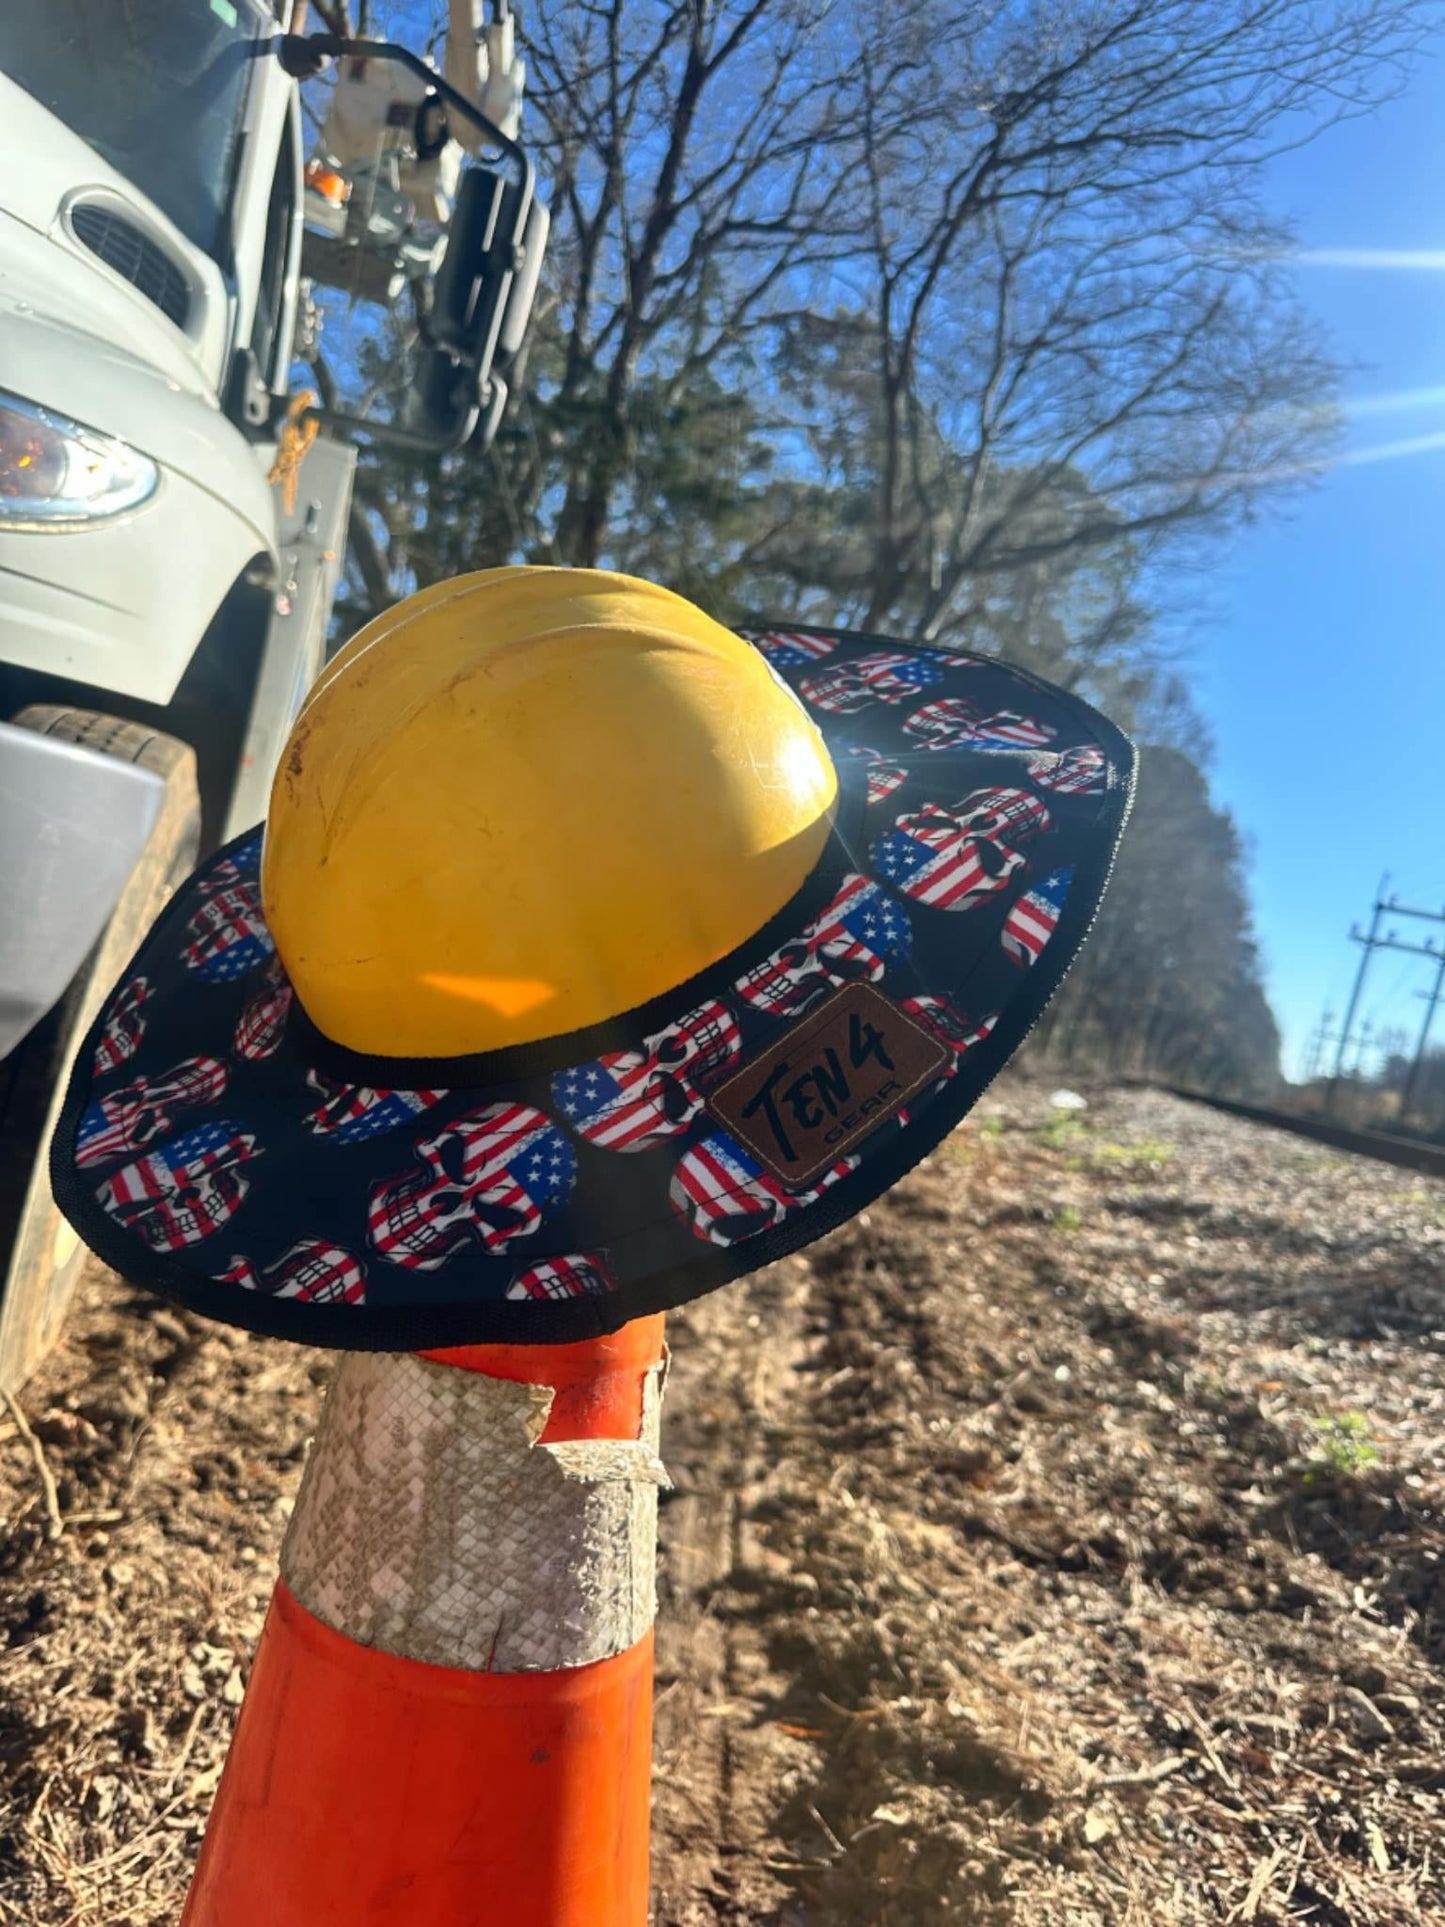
(215, 1146)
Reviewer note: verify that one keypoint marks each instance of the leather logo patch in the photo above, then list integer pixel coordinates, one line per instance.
(804, 1102)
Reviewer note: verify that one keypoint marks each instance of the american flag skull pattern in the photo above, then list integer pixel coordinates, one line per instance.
(879, 678)
(312, 1270)
(128, 1119)
(123, 1025)
(355, 1113)
(490, 1178)
(957, 1033)
(955, 723)
(953, 859)
(860, 933)
(582, 1275)
(1071, 772)
(262, 1023)
(242, 863)
(725, 1196)
(547, 1191)
(945, 1021)
(883, 777)
(228, 933)
(1035, 917)
(627, 1100)
(185, 1190)
(786, 650)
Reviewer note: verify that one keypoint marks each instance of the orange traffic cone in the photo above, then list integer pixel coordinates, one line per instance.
(449, 1718)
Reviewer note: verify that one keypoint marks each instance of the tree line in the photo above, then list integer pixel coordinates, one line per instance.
(963, 323)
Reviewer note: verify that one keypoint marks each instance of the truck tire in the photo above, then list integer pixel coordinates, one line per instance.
(40, 1256)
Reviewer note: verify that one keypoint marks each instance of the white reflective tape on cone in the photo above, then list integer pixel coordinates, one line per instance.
(433, 1524)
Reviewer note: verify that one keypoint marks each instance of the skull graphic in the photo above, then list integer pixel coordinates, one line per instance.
(184, 1190)
(883, 777)
(955, 723)
(1033, 919)
(315, 1272)
(228, 934)
(123, 1026)
(949, 1025)
(244, 861)
(721, 1191)
(786, 650)
(956, 858)
(132, 1117)
(957, 1033)
(861, 930)
(261, 1024)
(491, 1178)
(1072, 772)
(584, 1275)
(881, 678)
(353, 1113)
(629, 1099)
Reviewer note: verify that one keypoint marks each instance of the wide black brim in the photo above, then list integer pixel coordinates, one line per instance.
(215, 1147)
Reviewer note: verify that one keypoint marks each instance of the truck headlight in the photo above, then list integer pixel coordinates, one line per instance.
(59, 474)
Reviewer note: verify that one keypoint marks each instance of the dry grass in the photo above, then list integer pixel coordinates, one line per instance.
(1028, 1564)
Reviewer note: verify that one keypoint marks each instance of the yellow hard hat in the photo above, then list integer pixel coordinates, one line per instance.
(528, 800)
(568, 979)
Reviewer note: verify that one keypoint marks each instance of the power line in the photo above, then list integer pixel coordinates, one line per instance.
(1359, 985)
(1432, 997)
(1323, 1034)
(1370, 943)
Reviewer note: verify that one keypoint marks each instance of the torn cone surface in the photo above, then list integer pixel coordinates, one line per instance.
(449, 1718)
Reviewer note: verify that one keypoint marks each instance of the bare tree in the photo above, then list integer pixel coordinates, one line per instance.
(685, 144)
(1066, 274)
(991, 275)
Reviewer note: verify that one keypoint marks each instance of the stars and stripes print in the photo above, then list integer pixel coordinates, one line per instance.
(184, 1190)
(956, 1032)
(494, 1176)
(725, 1196)
(786, 650)
(262, 1023)
(627, 1100)
(860, 932)
(356, 1113)
(930, 857)
(880, 678)
(312, 1270)
(953, 859)
(128, 1119)
(883, 777)
(228, 934)
(1071, 772)
(242, 862)
(583, 1274)
(123, 1026)
(1035, 917)
(955, 723)
(942, 1017)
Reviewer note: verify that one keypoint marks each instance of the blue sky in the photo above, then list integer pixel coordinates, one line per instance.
(1322, 673)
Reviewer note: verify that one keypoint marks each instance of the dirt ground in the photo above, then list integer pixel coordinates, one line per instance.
(1058, 1545)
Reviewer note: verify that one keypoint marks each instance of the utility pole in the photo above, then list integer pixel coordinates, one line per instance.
(1321, 1035)
(1362, 1043)
(1427, 949)
(1370, 942)
(1432, 998)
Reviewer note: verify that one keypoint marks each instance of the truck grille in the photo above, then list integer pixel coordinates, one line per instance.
(132, 253)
